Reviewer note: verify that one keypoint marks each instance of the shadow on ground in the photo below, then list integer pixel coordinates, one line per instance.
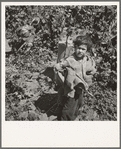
(47, 103)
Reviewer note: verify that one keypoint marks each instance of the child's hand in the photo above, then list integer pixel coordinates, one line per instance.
(58, 67)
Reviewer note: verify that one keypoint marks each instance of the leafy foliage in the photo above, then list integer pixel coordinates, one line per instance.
(49, 23)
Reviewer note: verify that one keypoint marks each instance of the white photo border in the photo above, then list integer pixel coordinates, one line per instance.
(59, 134)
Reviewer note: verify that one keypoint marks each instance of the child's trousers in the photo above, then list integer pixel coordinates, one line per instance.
(70, 107)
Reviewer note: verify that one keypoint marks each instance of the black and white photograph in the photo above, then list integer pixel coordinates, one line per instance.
(61, 64)
(61, 61)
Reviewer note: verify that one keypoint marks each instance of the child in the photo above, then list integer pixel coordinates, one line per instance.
(80, 69)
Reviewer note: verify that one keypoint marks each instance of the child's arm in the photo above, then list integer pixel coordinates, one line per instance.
(61, 65)
(91, 67)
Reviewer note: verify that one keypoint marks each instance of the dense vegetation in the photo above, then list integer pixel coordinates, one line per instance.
(29, 82)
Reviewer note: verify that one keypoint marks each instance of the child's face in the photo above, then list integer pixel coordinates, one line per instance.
(81, 50)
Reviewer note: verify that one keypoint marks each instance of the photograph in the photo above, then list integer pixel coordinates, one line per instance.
(60, 74)
(61, 63)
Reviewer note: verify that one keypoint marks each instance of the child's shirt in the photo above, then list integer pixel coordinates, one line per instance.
(84, 69)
